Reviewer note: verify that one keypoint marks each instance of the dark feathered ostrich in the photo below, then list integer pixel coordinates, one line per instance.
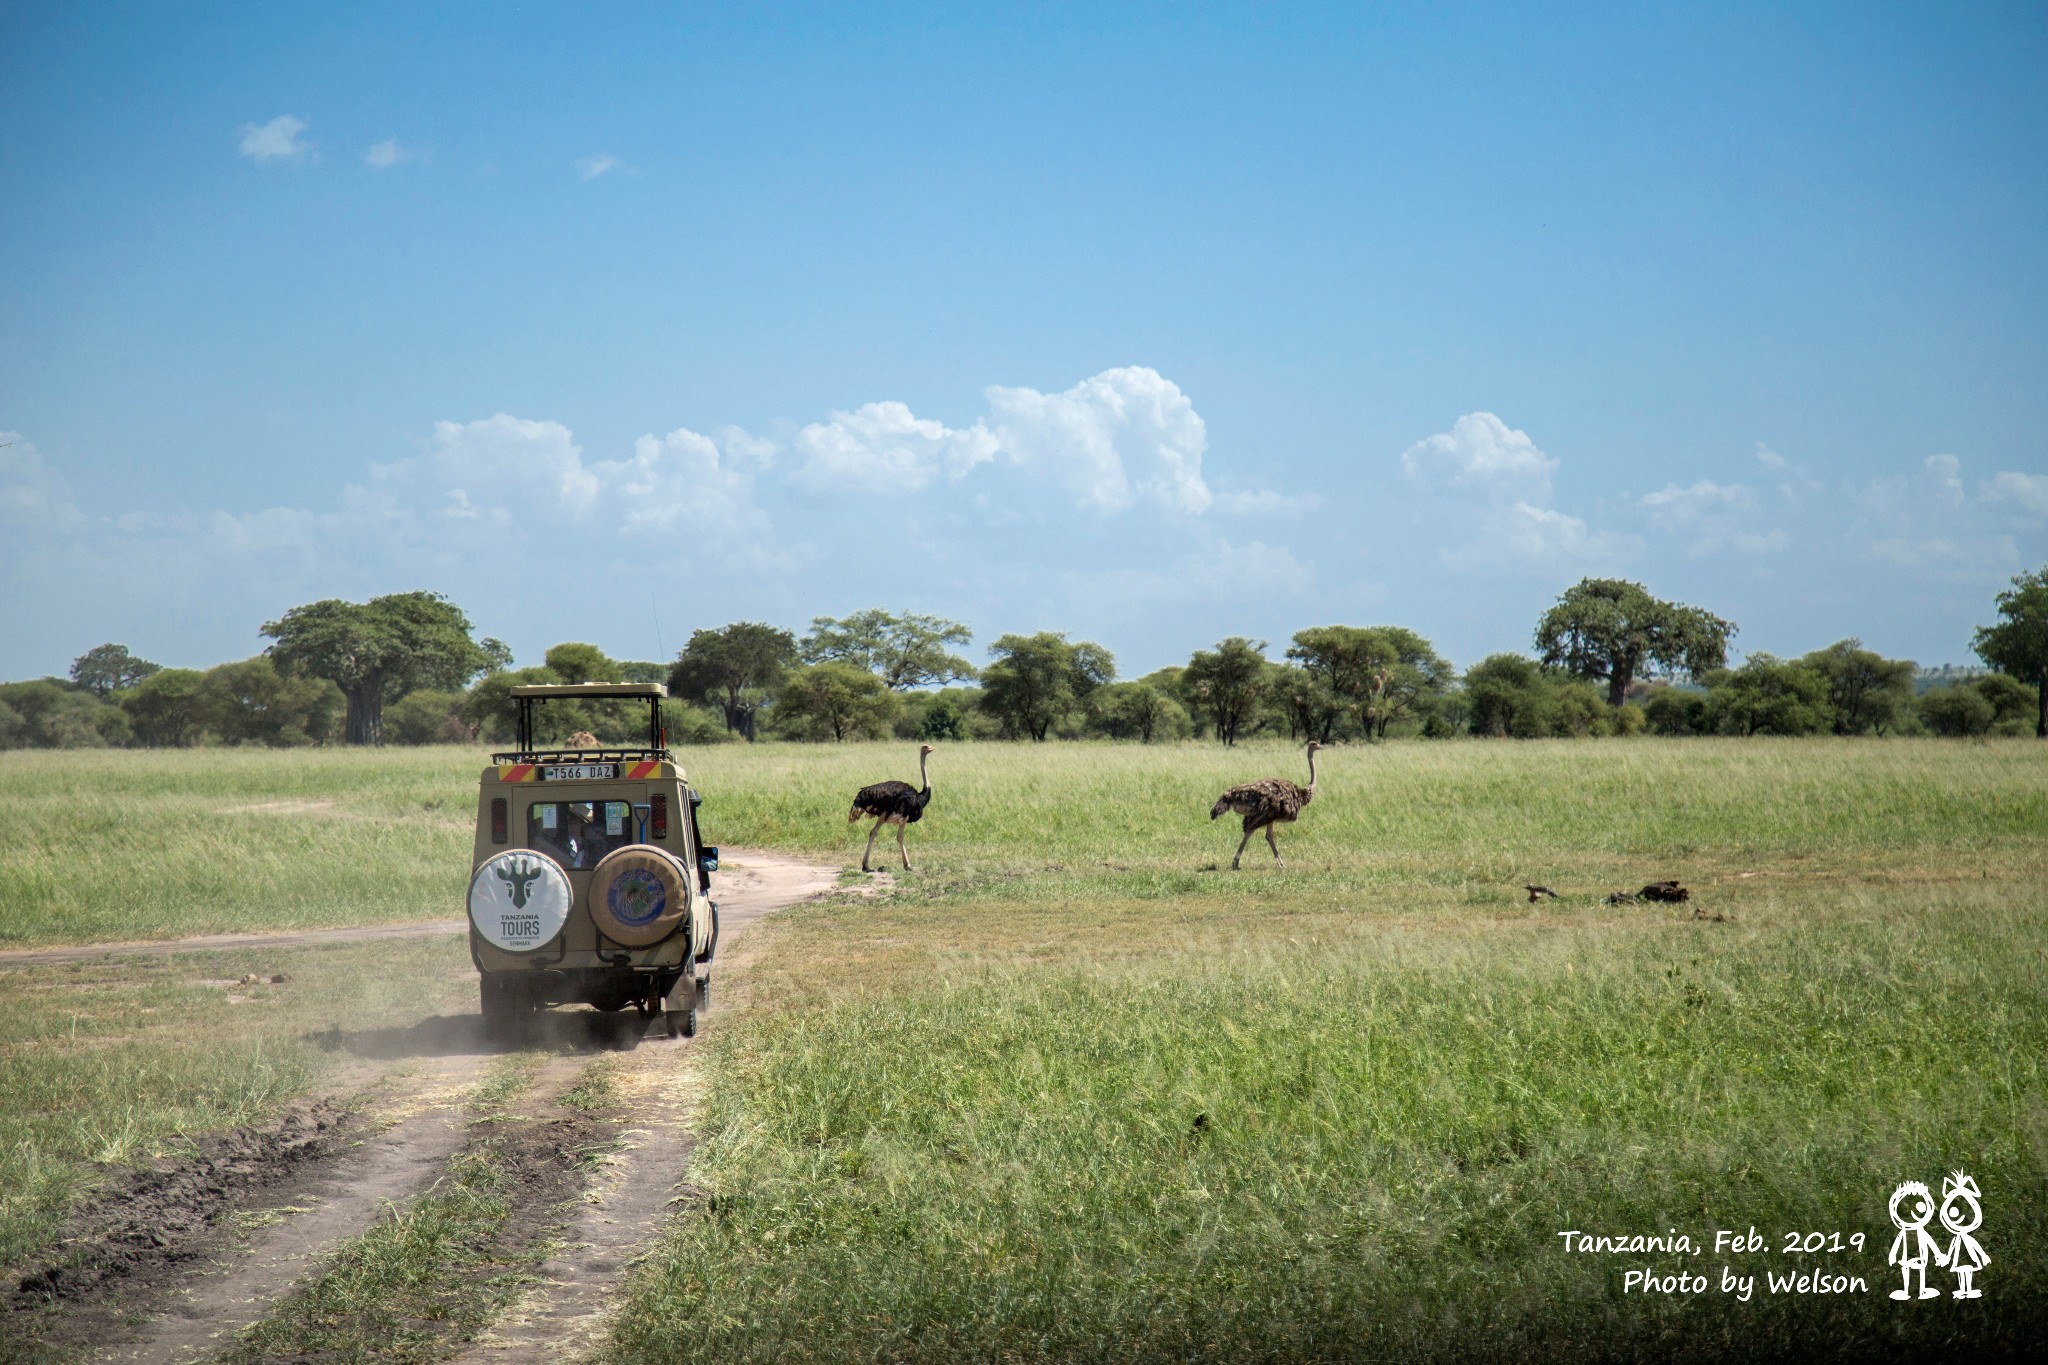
(1266, 805)
(892, 803)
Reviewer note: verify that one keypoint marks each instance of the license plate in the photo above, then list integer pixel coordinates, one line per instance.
(578, 772)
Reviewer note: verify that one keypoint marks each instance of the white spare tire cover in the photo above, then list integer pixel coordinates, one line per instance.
(519, 900)
(639, 894)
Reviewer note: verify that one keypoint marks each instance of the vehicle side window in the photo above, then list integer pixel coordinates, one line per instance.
(577, 834)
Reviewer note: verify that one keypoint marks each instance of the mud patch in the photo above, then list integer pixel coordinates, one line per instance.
(156, 1217)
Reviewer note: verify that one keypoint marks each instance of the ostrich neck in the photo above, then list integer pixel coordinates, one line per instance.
(1311, 770)
(923, 779)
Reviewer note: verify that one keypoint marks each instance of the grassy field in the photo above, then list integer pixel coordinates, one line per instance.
(1074, 1094)
(1072, 1091)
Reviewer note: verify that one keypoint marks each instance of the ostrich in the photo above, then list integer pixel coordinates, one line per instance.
(1267, 804)
(892, 803)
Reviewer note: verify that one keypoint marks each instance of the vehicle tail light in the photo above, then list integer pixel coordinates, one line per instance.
(657, 811)
(497, 819)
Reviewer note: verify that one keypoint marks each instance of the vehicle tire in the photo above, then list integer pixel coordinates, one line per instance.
(711, 946)
(681, 1023)
(639, 895)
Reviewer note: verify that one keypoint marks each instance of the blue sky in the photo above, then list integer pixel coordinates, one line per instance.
(1149, 325)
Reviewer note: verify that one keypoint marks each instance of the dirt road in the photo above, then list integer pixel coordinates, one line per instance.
(195, 1272)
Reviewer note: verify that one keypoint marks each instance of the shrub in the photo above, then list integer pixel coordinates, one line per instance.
(169, 708)
(1135, 710)
(687, 724)
(2013, 703)
(427, 717)
(1768, 696)
(1670, 711)
(1957, 711)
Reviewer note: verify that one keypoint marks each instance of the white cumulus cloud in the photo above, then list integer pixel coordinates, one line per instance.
(886, 448)
(2029, 491)
(503, 461)
(1481, 456)
(277, 140)
(594, 166)
(1124, 435)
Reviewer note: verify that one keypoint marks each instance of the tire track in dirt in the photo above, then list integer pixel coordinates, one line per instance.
(235, 1286)
(565, 1317)
(201, 1292)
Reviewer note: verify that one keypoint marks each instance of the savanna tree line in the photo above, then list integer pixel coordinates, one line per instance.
(1609, 659)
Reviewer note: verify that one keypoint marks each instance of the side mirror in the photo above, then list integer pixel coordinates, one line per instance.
(707, 860)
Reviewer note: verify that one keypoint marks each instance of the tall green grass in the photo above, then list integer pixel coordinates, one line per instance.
(1069, 1097)
(116, 845)
(135, 845)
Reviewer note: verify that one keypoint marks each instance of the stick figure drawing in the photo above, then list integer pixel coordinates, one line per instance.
(1962, 1213)
(1912, 1210)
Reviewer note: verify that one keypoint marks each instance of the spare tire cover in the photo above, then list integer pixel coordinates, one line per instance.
(639, 895)
(519, 900)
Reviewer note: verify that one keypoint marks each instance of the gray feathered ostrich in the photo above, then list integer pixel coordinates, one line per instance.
(892, 803)
(1266, 805)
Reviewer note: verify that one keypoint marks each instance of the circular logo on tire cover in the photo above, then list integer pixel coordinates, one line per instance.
(519, 900)
(636, 897)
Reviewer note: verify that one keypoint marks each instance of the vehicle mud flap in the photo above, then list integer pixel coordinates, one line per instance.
(507, 1003)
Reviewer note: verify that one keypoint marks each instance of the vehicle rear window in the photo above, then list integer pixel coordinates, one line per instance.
(578, 833)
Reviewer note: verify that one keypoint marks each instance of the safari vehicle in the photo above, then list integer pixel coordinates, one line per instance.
(590, 882)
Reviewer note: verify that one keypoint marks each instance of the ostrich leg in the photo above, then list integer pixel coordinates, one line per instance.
(1274, 845)
(864, 853)
(1241, 843)
(901, 852)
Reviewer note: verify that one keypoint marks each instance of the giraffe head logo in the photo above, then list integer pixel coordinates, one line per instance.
(520, 877)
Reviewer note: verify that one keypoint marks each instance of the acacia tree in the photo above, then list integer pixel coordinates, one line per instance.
(168, 708)
(834, 698)
(106, 669)
(1866, 691)
(732, 667)
(2018, 645)
(1612, 630)
(1227, 683)
(1038, 680)
(1769, 696)
(1381, 672)
(379, 650)
(251, 702)
(903, 651)
(1305, 698)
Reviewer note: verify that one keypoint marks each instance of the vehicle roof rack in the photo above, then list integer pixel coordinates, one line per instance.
(549, 691)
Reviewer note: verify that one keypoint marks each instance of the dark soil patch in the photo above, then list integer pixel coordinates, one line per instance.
(162, 1215)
